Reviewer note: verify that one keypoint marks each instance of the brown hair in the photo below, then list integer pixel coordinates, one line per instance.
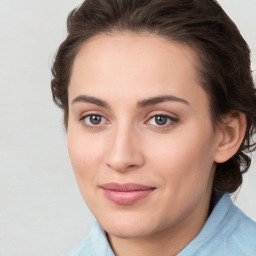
(201, 24)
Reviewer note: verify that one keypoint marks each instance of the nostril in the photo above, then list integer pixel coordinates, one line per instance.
(122, 166)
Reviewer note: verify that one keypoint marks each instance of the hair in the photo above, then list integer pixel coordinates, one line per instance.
(223, 54)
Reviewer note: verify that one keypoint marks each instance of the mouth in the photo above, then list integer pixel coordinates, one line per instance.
(126, 194)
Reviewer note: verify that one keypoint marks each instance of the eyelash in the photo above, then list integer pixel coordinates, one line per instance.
(92, 126)
(171, 121)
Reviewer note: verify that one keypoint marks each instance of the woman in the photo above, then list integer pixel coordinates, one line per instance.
(160, 108)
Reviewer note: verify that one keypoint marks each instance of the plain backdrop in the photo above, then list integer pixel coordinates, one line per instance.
(41, 210)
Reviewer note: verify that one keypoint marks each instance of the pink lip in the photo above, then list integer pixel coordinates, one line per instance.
(126, 194)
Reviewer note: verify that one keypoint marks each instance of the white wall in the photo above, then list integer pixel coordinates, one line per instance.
(41, 210)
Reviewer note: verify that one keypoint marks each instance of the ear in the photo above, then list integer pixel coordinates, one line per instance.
(232, 133)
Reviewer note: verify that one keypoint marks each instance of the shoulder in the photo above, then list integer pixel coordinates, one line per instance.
(236, 232)
(85, 247)
(228, 231)
(241, 233)
(95, 244)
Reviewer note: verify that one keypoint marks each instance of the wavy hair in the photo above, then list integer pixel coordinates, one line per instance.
(224, 58)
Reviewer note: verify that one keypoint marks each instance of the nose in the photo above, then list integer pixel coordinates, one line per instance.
(124, 152)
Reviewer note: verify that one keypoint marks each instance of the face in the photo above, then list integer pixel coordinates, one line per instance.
(140, 137)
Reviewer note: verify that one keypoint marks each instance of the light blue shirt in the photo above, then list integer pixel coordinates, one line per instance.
(227, 232)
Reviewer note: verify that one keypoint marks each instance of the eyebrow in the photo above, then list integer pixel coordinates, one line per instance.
(90, 99)
(141, 104)
(160, 99)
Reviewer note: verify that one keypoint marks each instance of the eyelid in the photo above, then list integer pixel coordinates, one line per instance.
(161, 113)
(173, 120)
(93, 113)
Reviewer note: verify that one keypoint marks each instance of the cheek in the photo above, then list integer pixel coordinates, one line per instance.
(85, 154)
(184, 160)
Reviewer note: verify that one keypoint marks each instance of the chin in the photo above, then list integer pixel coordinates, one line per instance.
(125, 226)
(127, 231)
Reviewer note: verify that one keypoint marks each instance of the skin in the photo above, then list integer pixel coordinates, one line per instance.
(177, 158)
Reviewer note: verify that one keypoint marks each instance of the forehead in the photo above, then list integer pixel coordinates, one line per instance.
(140, 65)
(133, 49)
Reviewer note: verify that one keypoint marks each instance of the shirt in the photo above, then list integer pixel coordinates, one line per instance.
(228, 231)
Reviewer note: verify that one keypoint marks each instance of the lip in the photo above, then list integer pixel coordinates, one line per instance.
(126, 194)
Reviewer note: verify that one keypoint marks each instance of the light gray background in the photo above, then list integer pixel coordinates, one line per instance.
(41, 210)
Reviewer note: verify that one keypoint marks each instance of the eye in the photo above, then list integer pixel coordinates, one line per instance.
(161, 120)
(93, 120)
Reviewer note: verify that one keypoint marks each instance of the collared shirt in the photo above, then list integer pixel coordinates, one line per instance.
(227, 232)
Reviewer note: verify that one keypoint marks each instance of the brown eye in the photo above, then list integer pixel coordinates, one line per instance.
(95, 120)
(161, 120)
